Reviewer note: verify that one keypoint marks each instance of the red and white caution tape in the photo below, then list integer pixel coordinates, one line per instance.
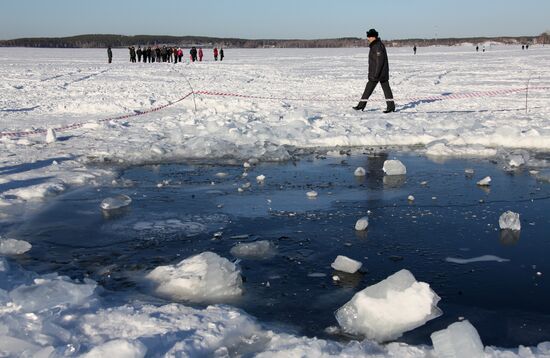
(494, 93)
(15, 134)
(410, 99)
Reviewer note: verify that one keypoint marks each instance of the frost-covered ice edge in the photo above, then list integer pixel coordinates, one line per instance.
(76, 86)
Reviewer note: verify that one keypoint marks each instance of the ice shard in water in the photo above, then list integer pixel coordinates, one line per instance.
(116, 202)
(345, 264)
(509, 221)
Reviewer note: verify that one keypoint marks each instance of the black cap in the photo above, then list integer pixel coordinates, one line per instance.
(372, 33)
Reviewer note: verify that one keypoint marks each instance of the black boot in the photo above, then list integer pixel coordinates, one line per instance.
(360, 107)
(391, 107)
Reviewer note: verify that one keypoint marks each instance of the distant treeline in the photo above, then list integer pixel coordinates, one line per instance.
(102, 41)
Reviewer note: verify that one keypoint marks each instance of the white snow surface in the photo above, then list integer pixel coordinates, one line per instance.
(52, 316)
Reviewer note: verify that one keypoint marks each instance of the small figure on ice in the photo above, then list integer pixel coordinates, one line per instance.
(109, 54)
(379, 71)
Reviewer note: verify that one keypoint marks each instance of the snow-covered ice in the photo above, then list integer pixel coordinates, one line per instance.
(71, 86)
(509, 221)
(386, 310)
(50, 291)
(345, 264)
(204, 277)
(458, 340)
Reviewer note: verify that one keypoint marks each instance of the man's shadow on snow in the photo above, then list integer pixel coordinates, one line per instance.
(24, 167)
(16, 184)
(415, 104)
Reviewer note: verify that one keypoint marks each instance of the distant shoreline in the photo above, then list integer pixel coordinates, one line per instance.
(121, 41)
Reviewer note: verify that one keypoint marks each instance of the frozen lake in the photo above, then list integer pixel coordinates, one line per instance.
(197, 209)
(173, 138)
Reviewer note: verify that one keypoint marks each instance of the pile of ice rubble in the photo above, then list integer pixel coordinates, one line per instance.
(54, 316)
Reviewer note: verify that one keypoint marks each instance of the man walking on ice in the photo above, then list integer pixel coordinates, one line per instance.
(379, 71)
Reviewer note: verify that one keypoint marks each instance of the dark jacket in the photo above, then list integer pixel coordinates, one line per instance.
(379, 69)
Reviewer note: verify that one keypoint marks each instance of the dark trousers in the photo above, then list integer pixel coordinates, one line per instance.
(369, 88)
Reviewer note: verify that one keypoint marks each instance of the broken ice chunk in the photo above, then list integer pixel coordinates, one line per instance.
(345, 264)
(384, 311)
(257, 250)
(362, 224)
(360, 172)
(203, 277)
(260, 178)
(460, 339)
(394, 167)
(516, 161)
(116, 202)
(311, 194)
(484, 182)
(509, 220)
(13, 247)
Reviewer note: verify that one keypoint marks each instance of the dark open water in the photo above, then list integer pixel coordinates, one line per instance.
(508, 302)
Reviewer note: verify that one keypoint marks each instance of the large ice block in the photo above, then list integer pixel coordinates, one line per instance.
(204, 277)
(459, 340)
(383, 311)
(394, 167)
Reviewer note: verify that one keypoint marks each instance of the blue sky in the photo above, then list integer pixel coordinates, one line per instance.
(307, 19)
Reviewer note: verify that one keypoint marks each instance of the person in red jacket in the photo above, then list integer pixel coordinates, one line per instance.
(200, 54)
(215, 54)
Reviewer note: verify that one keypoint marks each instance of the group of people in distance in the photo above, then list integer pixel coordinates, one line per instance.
(165, 54)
